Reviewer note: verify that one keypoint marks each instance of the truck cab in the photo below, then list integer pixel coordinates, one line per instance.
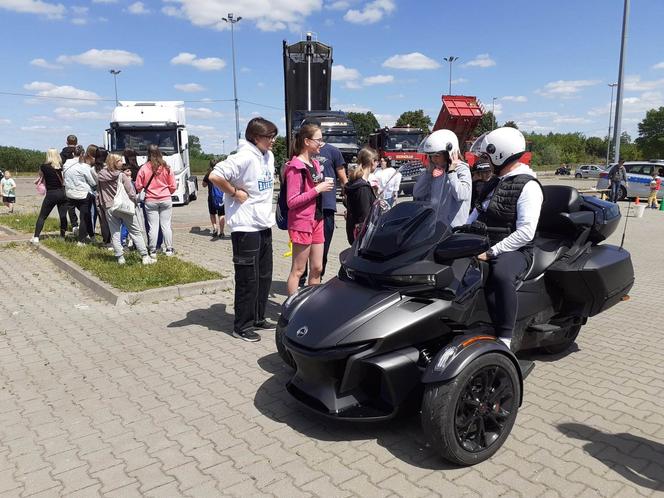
(337, 128)
(136, 125)
(399, 145)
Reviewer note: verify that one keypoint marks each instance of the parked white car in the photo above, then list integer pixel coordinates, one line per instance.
(639, 175)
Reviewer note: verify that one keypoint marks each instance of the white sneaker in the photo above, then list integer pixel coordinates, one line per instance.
(147, 260)
(121, 260)
(80, 244)
(153, 254)
(110, 248)
(34, 240)
(169, 252)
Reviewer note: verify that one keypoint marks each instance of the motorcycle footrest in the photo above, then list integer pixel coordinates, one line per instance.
(543, 328)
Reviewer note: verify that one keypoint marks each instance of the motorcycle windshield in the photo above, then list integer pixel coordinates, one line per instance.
(407, 226)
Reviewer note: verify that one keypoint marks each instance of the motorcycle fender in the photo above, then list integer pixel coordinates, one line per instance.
(453, 358)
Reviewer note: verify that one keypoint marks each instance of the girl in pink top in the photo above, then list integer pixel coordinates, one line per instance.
(156, 177)
(304, 183)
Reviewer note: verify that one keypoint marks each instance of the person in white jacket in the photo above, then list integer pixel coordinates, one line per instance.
(447, 183)
(247, 180)
(79, 182)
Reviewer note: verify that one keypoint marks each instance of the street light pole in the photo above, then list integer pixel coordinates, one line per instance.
(493, 112)
(232, 20)
(608, 137)
(618, 120)
(450, 59)
(115, 73)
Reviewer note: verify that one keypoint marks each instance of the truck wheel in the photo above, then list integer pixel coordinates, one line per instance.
(194, 194)
(570, 336)
(185, 198)
(469, 417)
(281, 350)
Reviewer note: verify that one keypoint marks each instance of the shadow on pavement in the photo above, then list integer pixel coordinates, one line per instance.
(535, 355)
(217, 318)
(402, 436)
(635, 458)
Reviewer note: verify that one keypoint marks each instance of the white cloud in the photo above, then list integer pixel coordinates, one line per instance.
(642, 104)
(343, 73)
(571, 120)
(482, 60)
(350, 108)
(45, 89)
(80, 10)
(52, 10)
(515, 98)
(372, 12)
(104, 1)
(79, 21)
(202, 64)
(43, 63)
(338, 5)
(635, 84)
(42, 119)
(267, 15)
(459, 80)
(103, 58)
(659, 65)
(5, 121)
(138, 8)
(386, 119)
(199, 128)
(64, 113)
(379, 79)
(412, 61)
(565, 88)
(189, 87)
(203, 113)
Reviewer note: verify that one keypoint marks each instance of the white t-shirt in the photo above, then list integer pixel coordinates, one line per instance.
(389, 182)
(252, 171)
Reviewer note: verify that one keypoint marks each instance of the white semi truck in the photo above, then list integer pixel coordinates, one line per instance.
(136, 125)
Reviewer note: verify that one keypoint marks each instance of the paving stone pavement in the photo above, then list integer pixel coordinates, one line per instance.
(159, 400)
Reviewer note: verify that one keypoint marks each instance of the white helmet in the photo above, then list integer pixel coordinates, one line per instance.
(502, 145)
(439, 141)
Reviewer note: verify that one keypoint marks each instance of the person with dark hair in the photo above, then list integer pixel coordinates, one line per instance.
(247, 180)
(131, 163)
(79, 185)
(158, 180)
(305, 184)
(96, 211)
(481, 175)
(67, 154)
(215, 203)
(50, 173)
(360, 195)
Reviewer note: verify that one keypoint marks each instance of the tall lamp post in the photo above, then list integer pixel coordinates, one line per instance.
(115, 73)
(450, 59)
(618, 120)
(493, 112)
(233, 20)
(608, 137)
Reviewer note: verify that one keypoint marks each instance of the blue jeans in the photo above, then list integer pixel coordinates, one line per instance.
(615, 191)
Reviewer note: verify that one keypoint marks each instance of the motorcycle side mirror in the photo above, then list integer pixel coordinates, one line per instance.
(461, 245)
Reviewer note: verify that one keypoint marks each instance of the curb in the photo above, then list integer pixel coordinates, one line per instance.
(118, 298)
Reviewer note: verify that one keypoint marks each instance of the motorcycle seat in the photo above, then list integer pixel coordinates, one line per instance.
(545, 253)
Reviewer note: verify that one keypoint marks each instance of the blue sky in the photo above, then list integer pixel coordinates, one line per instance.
(547, 64)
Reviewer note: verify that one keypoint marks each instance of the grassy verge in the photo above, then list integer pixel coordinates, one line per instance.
(133, 276)
(25, 222)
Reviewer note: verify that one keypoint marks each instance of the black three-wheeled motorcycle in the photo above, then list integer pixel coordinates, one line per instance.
(405, 323)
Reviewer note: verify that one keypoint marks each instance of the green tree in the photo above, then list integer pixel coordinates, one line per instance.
(487, 123)
(416, 119)
(16, 159)
(651, 134)
(195, 148)
(280, 152)
(595, 147)
(511, 124)
(365, 124)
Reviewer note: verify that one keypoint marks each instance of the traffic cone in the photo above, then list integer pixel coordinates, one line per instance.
(637, 202)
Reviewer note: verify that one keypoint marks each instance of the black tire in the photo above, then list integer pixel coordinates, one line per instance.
(622, 195)
(571, 334)
(194, 195)
(456, 414)
(185, 198)
(578, 175)
(281, 350)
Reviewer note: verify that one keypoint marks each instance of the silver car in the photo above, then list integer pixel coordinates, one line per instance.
(588, 171)
(639, 176)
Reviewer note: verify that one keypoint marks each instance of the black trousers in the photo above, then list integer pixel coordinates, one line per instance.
(500, 290)
(72, 216)
(52, 199)
(85, 226)
(328, 228)
(252, 258)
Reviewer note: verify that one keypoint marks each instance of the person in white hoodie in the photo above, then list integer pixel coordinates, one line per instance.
(79, 183)
(512, 200)
(247, 180)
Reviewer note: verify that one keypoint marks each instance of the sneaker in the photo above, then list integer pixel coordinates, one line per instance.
(75, 230)
(265, 324)
(222, 235)
(170, 252)
(121, 260)
(153, 254)
(507, 341)
(110, 248)
(34, 240)
(215, 233)
(247, 335)
(147, 260)
(80, 244)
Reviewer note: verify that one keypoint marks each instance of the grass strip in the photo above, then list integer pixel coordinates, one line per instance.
(25, 222)
(133, 276)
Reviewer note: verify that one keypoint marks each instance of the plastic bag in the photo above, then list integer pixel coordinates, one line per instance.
(121, 202)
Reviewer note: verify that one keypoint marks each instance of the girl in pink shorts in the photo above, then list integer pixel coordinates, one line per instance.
(304, 183)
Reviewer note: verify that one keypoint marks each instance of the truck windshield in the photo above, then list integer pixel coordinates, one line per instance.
(340, 139)
(403, 141)
(139, 139)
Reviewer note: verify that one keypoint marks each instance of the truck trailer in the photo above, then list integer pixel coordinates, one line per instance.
(136, 125)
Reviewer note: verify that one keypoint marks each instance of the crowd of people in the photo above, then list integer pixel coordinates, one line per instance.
(86, 186)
